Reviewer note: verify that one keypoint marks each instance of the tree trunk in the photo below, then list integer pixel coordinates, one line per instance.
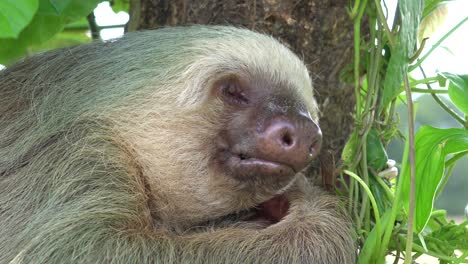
(319, 31)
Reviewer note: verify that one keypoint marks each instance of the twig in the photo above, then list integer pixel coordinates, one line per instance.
(357, 53)
(412, 163)
(383, 21)
(355, 9)
(419, 51)
(372, 201)
(457, 156)
(86, 26)
(93, 26)
(431, 91)
(441, 103)
(427, 80)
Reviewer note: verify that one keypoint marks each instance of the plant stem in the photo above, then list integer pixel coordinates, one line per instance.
(93, 26)
(356, 202)
(383, 20)
(357, 53)
(431, 253)
(432, 91)
(355, 9)
(419, 51)
(384, 186)
(364, 216)
(373, 203)
(441, 103)
(412, 163)
(396, 205)
(86, 27)
(457, 156)
(426, 80)
(350, 195)
(449, 165)
(356, 15)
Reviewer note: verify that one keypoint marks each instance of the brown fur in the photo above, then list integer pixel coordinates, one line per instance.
(108, 155)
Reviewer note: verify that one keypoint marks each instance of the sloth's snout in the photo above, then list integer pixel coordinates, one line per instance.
(291, 141)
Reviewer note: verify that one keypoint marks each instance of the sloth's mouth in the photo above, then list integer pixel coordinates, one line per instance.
(263, 215)
(271, 211)
(244, 166)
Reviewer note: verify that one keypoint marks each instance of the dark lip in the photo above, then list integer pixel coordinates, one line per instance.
(242, 159)
(263, 162)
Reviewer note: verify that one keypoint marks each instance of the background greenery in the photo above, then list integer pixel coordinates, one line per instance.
(454, 196)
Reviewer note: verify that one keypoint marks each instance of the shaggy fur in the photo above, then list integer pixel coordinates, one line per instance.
(106, 154)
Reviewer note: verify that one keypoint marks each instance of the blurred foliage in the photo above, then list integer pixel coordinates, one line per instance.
(384, 219)
(453, 197)
(434, 16)
(28, 25)
(15, 16)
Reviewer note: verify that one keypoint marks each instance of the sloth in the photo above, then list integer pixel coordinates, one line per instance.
(178, 145)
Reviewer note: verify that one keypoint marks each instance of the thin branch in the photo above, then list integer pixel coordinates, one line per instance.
(372, 201)
(412, 163)
(427, 80)
(93, 26)
(432, 91)
(363, 215)
(383, 20)
(419, 51)
(354, 12)
(357, 53)
(456, 157)
(441, 103)
(86, 27)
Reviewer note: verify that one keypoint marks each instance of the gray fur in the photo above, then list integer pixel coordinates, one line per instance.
(105, 149)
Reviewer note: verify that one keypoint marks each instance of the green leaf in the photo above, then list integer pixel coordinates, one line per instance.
(376, 154)
(410, 12)
(438, 218)
(458, 90)
(432, 145)
(42, 28)
(442, 80)
(432, 22)
(45, 24)
(430, 5)
(63, 39)
(349, 149)
(53, 7)
(68, 9)
(15, 15)
(369, 252)
(11, 50)
(447, 237)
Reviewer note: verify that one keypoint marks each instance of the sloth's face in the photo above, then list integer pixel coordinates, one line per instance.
(267, 137)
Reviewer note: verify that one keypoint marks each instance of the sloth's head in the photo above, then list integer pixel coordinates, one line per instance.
(235, 110)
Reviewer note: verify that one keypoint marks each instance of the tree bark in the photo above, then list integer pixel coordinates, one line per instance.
(319, 31)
